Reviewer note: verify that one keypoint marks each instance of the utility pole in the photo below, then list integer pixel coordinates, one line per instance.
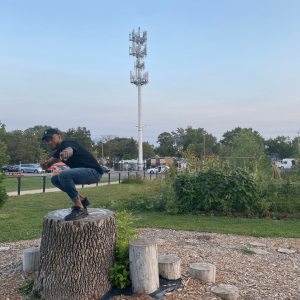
(139, 79)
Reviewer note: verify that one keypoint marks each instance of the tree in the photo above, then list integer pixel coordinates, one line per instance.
(225, 151)
(161, 151)
(3, 160)
(229, 136)
(246, 144)
(184, 137)
(38, 131)
(22, 146)
(80, 135)
(127, 157)
(166, 143)
(283, 145)
(148, 150)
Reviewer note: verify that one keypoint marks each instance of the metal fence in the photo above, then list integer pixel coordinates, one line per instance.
(116, 177)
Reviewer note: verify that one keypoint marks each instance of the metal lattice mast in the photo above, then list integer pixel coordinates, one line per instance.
(139, 79)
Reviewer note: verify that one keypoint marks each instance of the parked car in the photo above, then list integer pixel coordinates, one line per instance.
(60, 168)
(15, 168)
(105, 169)
(54, 166)
(6, 168)
(287, 163)
(31, 168)
(157, 169)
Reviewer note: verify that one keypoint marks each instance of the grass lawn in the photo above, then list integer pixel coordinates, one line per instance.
(21, 218)
(253, 227)
(32, 183)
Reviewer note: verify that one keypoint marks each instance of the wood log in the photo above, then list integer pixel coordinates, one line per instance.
(76, 256)
(226, 292)
(144, 265)
(169, 266)
(31, 258)
(203, 271)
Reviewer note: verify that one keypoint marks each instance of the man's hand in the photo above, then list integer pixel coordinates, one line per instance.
(65, 154)
(44, 164)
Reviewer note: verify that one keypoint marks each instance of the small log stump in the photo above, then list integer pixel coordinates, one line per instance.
(76, 256)
(144, 265)
(169, 266)
(31, 258)
(203, 271)
(226, 292)
(286, 251)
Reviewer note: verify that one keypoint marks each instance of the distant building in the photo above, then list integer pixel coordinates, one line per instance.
(161, 161)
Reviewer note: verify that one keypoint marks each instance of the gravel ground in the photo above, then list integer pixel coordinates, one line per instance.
(269, 274)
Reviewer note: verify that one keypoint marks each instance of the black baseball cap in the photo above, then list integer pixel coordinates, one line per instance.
(49, 132)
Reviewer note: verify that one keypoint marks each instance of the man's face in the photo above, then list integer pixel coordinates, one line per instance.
(52, 141)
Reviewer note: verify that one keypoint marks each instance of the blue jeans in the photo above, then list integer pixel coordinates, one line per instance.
(67, 179)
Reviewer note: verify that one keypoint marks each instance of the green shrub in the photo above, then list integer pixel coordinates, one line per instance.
(120, 271)
(282, 197)
(133, 179)
(216, 189)
(27, 290)
(157, 193)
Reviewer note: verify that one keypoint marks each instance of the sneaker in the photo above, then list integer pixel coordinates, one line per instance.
(85, 202)
(77, 213)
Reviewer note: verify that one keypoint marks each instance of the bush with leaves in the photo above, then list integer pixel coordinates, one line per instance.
(120, 271)
(133, 179)
(3, 160)
(216, 189)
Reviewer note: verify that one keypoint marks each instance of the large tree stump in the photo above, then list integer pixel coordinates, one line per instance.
(144, 265)
(169, 266)
(76, 256)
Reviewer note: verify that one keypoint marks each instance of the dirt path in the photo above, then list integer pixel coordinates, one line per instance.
(272, 275)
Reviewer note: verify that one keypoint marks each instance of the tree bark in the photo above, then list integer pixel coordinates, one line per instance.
(144, 265)
(76, 256)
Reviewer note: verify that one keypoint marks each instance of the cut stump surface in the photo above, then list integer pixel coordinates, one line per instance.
(226, 292)
(203, 271)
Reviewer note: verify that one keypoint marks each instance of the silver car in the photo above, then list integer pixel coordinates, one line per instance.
(31, 168)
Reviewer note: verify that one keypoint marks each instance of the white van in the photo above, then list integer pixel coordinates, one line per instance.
(287, 163)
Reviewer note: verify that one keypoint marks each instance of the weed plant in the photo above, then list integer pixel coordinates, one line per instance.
(134, 179)
(156, 194)
(120, 271)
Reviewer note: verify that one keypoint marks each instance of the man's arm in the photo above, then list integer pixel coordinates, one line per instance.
(45, 164)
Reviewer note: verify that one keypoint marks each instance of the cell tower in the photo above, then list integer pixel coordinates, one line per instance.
(139, 79)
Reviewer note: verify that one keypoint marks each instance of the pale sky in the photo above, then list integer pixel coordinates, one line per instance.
(212, 64)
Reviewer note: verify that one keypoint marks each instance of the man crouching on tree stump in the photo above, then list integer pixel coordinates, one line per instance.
(84, 169)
